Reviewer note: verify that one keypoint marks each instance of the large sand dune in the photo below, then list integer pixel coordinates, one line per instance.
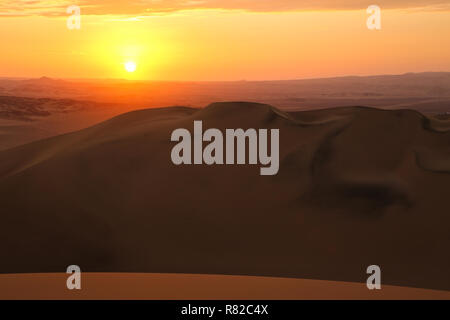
(356, 187)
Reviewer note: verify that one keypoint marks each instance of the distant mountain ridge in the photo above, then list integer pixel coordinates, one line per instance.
(384, 91)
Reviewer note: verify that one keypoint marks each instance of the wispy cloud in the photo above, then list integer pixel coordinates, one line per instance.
(33, 7)
(148, 7)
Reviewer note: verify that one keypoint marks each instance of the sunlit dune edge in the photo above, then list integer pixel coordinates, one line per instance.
(155, 286)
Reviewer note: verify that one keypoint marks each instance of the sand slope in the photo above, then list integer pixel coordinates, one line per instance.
(356, 186)
(137, 286)
(23, 120)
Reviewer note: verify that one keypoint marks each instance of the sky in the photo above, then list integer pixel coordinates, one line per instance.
(211, 40)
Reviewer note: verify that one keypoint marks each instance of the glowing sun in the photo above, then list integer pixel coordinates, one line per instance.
(130, 66)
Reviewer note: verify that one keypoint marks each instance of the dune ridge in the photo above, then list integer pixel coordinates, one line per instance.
(349, 193)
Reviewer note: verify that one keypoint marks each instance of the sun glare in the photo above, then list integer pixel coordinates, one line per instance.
(130, 66)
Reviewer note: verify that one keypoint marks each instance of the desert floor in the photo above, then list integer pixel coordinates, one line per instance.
(188, 286)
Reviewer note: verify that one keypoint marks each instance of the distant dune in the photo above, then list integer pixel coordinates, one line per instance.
(23, 120)
(386, 91)
(45, 107)
(356, 186)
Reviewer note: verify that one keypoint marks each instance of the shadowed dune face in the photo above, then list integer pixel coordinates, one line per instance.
(356, 186)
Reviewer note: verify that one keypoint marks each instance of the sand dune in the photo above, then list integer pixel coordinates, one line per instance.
(23, 120)
(426, 92)
(141, 286)
(356, 186)
(46, 107)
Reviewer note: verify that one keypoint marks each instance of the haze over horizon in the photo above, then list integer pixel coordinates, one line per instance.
(45, 77)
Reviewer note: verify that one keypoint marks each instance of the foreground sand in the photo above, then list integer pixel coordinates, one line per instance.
(189, 286)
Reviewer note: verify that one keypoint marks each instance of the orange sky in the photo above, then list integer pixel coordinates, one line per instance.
(242, 41)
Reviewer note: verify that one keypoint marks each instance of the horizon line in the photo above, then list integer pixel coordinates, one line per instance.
(227, 81)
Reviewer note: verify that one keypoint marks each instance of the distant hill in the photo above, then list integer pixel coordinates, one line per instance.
(385, 91)
(24, 119)
(45, 106)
